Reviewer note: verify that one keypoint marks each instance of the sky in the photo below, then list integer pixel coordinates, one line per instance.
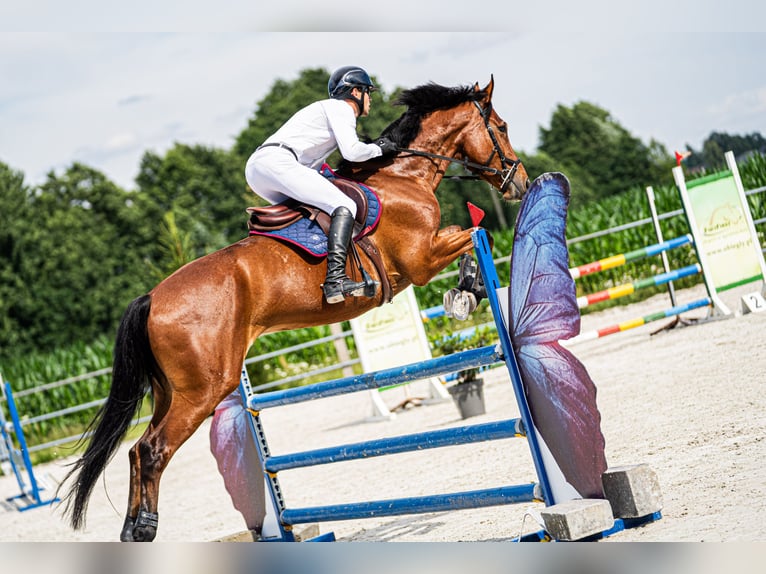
(101, 83)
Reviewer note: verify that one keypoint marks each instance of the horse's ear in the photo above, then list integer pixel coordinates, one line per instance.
(476, 87)
(490, 86)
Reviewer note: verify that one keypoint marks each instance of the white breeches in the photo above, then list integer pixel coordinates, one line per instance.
(275, 175)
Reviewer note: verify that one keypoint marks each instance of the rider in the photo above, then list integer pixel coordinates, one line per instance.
(286, 166)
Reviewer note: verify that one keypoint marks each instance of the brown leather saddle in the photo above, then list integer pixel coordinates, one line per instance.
(280, 216)
(272, 217)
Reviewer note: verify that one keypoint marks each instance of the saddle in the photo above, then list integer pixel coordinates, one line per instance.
(306, 226)
(281, 215)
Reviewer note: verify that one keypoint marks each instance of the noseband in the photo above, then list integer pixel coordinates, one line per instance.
(508, 166)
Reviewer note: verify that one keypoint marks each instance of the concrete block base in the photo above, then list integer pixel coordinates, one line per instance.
(633, 491)
(576, 519)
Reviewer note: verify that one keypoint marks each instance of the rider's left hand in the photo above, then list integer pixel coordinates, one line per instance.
(387, 146)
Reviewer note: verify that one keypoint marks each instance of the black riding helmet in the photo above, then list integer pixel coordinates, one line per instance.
(345, 79)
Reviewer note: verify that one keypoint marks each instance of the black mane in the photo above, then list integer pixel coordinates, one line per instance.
(420, 102)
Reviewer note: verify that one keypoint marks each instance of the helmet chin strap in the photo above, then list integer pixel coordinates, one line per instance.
(359, 101)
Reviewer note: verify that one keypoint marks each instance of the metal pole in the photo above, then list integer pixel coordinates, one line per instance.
(658, 232)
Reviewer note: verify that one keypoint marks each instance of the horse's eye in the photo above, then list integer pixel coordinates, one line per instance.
(503, 128)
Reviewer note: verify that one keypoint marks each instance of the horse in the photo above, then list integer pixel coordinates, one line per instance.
(186, 340)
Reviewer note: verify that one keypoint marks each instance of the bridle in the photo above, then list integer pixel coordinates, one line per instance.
(508, 166)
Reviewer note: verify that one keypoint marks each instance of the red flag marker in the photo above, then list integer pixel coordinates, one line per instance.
(477, 213)
(682, 156)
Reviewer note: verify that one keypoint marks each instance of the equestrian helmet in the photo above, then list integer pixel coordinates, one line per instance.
(345, 79)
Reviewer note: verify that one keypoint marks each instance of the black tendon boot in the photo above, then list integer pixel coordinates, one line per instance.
(337, 285)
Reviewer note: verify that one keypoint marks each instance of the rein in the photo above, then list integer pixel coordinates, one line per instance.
(509, 167)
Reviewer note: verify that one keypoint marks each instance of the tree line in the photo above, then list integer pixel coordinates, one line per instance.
(77, 248)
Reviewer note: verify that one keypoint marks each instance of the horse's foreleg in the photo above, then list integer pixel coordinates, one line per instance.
(446, 246)
(457, 241)
(449, 230)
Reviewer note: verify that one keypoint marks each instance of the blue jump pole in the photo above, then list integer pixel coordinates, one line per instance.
(439, 366)
(413, 505)
(394, 445)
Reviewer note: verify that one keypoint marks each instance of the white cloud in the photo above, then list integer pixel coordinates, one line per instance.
(746, 104)
(121, 141)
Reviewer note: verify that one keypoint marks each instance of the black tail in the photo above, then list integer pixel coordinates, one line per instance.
(132, 371)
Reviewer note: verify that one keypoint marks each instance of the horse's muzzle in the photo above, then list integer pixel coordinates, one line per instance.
(516, 190)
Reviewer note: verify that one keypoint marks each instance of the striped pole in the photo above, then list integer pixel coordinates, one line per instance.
(623, 258)
(624, 326)
(629, 288)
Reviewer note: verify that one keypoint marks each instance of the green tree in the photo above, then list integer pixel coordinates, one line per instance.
(581, 182)
(714, 147)
(14, 216)
(205, 190)
(586, 140)
(176, 244)
(76, 269)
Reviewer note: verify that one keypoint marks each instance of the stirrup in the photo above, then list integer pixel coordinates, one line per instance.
(337, 291)
(370, 285)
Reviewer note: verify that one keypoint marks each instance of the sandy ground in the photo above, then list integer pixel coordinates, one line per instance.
(690, 402)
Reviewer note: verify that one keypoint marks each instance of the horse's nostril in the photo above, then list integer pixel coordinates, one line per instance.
(527, 184)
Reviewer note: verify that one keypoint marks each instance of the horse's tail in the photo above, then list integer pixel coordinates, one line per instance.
(133, 368)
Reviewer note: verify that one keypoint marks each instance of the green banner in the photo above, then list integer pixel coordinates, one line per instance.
(724, 232)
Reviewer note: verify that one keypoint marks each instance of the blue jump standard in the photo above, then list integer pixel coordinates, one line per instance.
(283, 518)
(30, 494)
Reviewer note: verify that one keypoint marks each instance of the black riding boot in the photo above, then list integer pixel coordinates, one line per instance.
(337, 285)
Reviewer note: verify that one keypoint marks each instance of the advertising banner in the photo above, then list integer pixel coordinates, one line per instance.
(724, 233)
(393, 335)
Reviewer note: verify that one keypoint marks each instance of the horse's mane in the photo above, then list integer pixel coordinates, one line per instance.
(420, 102)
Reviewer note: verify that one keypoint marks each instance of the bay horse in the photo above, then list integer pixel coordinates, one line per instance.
(186, 340)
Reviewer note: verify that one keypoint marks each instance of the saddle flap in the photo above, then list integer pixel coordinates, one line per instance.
(357, 195)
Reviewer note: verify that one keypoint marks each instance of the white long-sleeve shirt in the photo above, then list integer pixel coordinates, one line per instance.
(315, 131)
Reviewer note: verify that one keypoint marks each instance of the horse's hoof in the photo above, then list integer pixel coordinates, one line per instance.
(145, 534)
(145, 528)
(465, 303)
(448, 301)
(127, 530)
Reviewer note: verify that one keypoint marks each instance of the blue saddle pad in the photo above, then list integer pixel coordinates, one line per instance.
(310, 237)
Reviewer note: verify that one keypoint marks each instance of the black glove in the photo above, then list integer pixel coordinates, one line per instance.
(387, 146)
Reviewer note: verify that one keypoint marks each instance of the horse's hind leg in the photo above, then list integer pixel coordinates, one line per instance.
(153, 452)
(161, 405)
(134, 495)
